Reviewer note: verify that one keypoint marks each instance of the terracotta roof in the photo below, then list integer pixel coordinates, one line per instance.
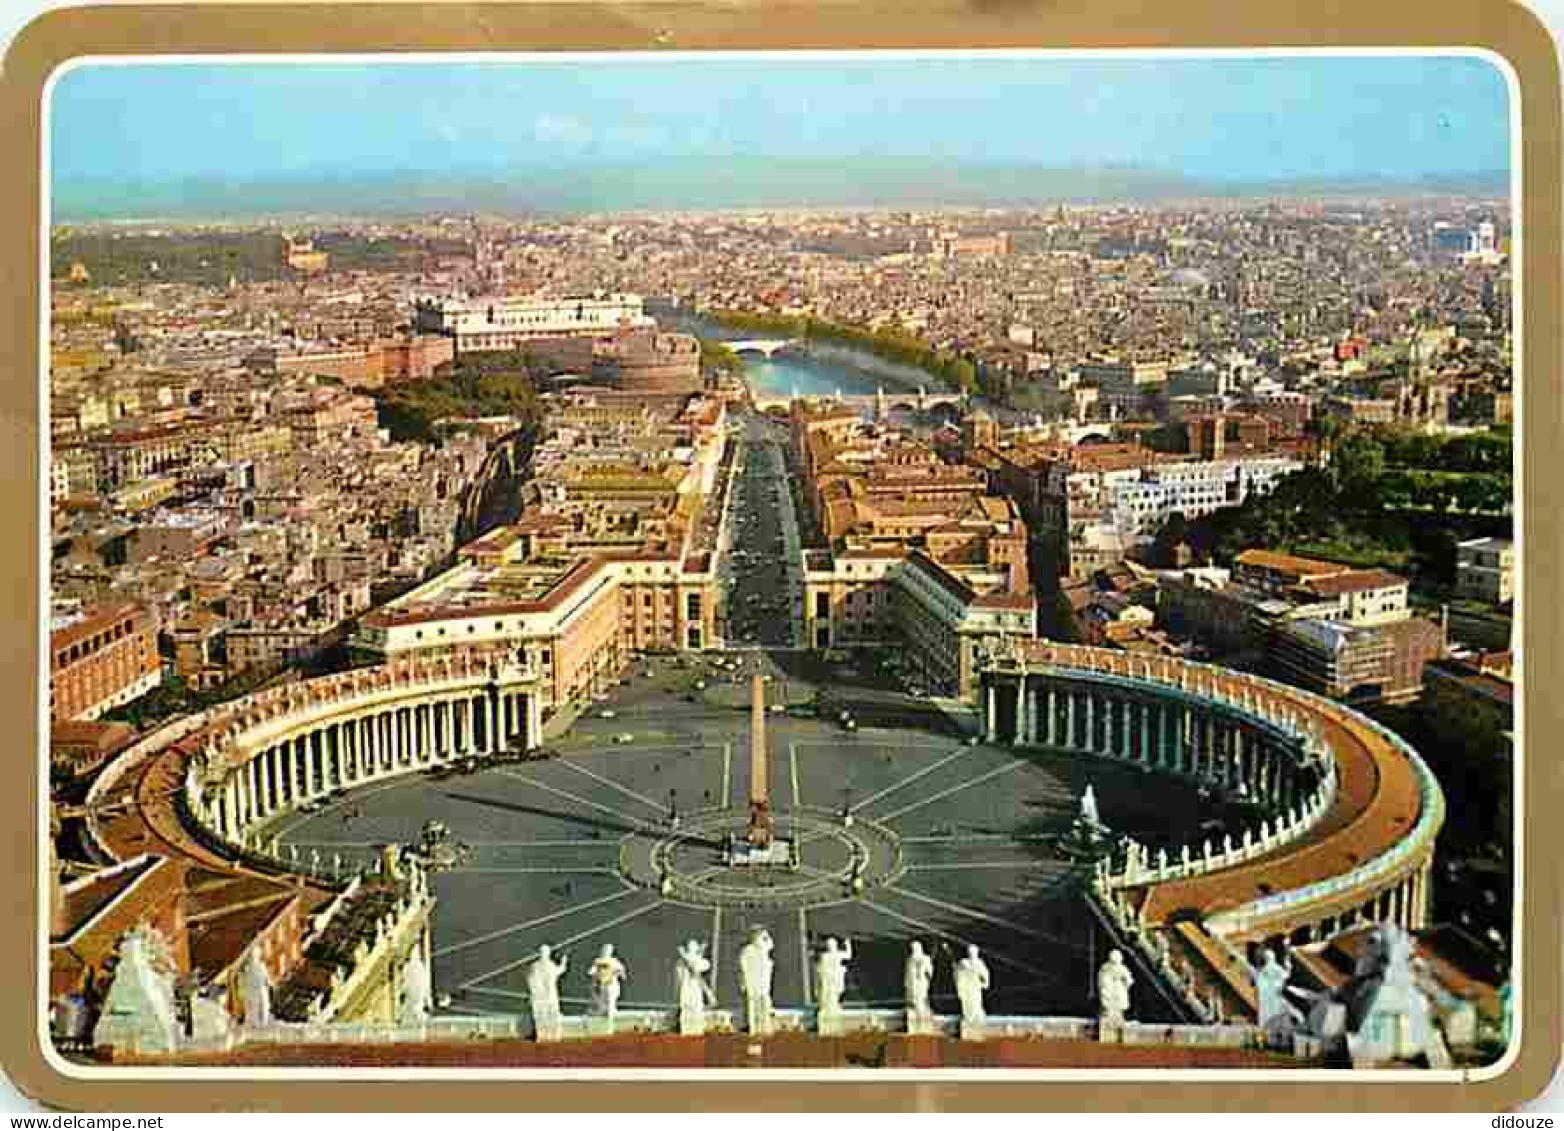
(1354, 581)
(1377, 804)
(1287, 563)
(96, 619)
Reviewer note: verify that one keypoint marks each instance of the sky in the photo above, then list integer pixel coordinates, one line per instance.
(134, 129)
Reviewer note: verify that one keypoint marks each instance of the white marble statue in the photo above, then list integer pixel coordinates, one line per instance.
(918, 974)
(695, 994)
(543, 988)
(209, 1017)
(1395, 1016)
(416, 990)
(1113, 989)
(972, 978)
(755, 972)
(1270, 984)
(607, 973)
(255, 990)
(138, 1014)
(831, 975)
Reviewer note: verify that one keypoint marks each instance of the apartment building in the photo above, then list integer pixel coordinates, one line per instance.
(100, 658)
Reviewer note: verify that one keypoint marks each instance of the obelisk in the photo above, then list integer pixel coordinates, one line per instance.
(759, 794)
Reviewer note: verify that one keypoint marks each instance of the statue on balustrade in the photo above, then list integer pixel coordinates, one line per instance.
(831, 975)
(694, 992)
(416, 991)
(972, 979)
(607, 973)
(255, 989)
(756, 968)
(1275, 1014)
(916, 978)
(543, 988)
(1113, 989)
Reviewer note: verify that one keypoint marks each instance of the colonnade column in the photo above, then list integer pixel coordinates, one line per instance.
(991, 716)
(1053, 717)
(263, 791)
(491, 705)
(347, 751)
(1019, 737)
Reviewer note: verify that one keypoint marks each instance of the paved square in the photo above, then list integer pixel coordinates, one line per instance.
(951, 842)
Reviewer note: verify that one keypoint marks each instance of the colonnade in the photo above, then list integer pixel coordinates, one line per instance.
(367, 742)
(1160, 728)
(1405, 903)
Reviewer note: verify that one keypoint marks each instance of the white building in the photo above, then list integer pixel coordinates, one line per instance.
(1140, 501)
(1485, 570)
(502, 324)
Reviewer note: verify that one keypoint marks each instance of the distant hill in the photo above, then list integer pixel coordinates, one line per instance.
(706, 184)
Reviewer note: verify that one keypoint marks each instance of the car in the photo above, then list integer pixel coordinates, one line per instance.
(624, 739)
(607, 713)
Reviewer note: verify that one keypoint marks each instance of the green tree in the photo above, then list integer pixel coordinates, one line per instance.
(1357, 461)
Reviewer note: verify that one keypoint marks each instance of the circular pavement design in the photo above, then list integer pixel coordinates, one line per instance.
(833, 859)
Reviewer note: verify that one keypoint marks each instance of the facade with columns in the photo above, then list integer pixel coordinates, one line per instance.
(289, 746)
(1349, 812)
(942, 622)
(579, 633)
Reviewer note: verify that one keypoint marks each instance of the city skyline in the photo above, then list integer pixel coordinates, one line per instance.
(595, 134)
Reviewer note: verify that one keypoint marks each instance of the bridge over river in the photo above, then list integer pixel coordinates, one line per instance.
(902, 399)
(767, 346)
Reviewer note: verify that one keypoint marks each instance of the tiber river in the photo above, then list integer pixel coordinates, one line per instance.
(789, 373)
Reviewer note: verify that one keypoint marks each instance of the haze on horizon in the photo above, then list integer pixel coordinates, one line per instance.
(705, 133)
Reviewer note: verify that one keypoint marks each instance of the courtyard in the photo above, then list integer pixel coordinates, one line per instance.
(951, 842)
